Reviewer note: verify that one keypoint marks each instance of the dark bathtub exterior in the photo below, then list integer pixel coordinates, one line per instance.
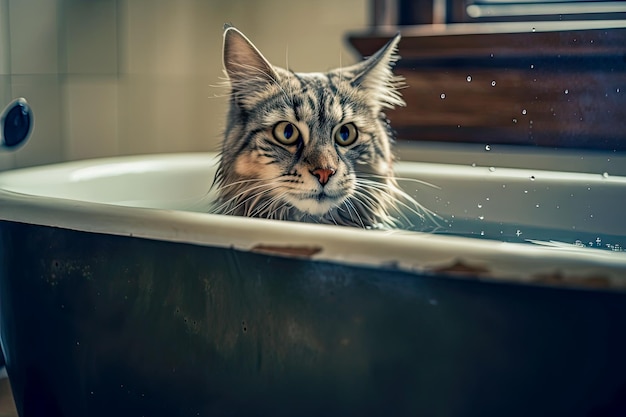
(101, 325)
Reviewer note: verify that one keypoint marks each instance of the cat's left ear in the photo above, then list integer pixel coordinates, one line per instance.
(243, 62)
(374, 74)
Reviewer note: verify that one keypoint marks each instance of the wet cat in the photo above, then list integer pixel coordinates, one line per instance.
(312, 147)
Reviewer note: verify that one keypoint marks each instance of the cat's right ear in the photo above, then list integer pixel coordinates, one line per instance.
(243, 62)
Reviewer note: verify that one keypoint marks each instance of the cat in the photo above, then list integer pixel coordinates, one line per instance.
(311, 147)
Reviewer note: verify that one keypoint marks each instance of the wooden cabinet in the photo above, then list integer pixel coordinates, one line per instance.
(555, 84)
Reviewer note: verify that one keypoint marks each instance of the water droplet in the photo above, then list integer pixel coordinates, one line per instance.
(442, 96)
(605, 175)
(482, 233)
(566, 91)
(474, 164)
(525, 191)
(523, 111)
(481, 217)
(469, 78)
(492, 169)
(532, 177)
(491, 55)
(487, 147)
(532, 66)
(514, 120)
(518, 233)
(493, 83)
(537, 205)
(480, 206)
(534, 29)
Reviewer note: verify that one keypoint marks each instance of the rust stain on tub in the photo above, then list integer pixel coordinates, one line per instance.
(296, 251)
(559, 279)
(462, 268)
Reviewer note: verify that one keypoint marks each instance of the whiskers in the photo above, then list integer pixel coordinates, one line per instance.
(237, 197)
(252, 198)
(392, 205)
(374, 202)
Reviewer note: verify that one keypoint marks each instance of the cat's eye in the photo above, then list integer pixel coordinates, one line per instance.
(286, 133)
(346, 134)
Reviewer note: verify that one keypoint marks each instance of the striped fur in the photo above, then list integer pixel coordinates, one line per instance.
(319, 178)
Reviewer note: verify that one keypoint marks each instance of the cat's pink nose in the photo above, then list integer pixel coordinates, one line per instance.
(323, 174)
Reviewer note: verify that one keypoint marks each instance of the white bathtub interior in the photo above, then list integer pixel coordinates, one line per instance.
(481, 196)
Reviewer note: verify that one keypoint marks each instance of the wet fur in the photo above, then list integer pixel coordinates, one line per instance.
(258, 176)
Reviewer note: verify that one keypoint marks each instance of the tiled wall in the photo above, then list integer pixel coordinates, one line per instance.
(116, 77)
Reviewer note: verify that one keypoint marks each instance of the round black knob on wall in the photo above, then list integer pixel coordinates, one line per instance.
(16, 123)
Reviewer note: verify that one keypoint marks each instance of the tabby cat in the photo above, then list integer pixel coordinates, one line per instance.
(311, 147)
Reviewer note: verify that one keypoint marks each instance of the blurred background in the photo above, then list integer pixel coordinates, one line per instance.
(120, 77)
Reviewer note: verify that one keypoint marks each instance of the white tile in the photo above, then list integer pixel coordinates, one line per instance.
(5, 61)
(169, 114)
(187, 119)
(175, 114)
(5, 90)
(211, 123)
(318, 44)
(7, 161)
(170, 38)
(90, 36)
(43, 93)
(139, 36)
(7, 158)
(136, 115)
(91, 117)
(34, 36)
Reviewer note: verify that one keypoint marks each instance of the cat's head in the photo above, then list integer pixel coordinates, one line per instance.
(307, 146)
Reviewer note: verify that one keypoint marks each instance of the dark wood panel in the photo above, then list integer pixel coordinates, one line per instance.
(518, 39)
(518, 92)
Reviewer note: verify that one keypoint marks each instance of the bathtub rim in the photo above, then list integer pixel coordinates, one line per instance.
(442, 255)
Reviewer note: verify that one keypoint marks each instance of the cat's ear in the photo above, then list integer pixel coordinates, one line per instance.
(375, 75)
(243, 62)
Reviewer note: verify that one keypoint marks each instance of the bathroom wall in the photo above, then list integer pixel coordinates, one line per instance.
(119, 77)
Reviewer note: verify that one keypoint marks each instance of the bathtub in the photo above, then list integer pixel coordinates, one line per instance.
(119, 297)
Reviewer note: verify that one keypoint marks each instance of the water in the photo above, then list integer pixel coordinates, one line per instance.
(516, 233)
